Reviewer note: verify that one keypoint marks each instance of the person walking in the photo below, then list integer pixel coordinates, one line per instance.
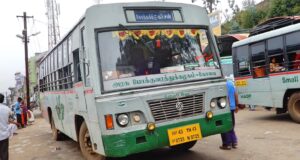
(6, 129)
(229, 139)
(18, 111)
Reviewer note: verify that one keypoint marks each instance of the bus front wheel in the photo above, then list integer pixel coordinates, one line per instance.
(294, 107)
(184, 146)
(86, 144)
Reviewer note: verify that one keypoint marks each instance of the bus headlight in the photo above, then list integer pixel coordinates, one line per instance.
(136, 118)
(122, 119)
(222, 102)
(213, 103)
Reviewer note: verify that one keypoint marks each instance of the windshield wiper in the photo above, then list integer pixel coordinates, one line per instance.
(142, 40)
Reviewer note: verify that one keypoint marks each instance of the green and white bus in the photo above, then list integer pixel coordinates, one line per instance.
(266, 68)
(133, 77)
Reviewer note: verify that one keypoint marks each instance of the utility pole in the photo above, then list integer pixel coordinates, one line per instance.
(25, 38)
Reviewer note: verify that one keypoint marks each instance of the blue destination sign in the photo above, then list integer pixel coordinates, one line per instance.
(154, 16)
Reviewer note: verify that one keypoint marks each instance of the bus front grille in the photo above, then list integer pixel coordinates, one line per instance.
(168, 109)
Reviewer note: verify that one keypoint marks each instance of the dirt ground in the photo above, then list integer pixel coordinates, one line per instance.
(262, 135)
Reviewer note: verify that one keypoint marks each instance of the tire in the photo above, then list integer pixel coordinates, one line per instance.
(294, 107)
(56, 134)
(184, 146)
(86, 144)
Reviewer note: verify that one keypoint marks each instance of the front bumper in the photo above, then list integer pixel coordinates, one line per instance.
(121, 145)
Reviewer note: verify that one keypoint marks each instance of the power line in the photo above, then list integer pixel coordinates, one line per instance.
(35, 39)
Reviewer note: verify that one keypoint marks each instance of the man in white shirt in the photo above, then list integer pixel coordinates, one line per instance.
(5, 129)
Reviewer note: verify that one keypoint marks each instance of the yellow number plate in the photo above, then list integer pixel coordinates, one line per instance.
(241, 83)
(184, 134)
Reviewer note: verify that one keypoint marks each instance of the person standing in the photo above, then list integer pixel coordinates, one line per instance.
(229, 139)
(6, 130)
(18, 111)
(24, 113)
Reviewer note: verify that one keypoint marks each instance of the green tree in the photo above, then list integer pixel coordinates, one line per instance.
(284, 8)
(226, 27)
(250, 16)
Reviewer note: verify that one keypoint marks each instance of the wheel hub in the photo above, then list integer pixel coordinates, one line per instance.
(88, 143)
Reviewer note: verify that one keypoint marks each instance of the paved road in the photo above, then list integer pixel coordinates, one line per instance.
(262, 136)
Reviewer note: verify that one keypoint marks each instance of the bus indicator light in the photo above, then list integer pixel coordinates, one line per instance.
(109, 121)
(151, 126)
(209, 115)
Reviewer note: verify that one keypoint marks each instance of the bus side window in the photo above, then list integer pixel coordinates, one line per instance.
(275, 54)
(242, 60)
(293, 50)
(258, 59)
(76, 62)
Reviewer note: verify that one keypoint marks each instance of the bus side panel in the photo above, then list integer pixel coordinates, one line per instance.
(43, 106)
(93, 121)
(255, 92)
(278, 90)
(57, 106)
(280, 83)
(62, 112)
(69, 114)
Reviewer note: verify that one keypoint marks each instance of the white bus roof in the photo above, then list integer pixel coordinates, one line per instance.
(113, 14)
(267, 35)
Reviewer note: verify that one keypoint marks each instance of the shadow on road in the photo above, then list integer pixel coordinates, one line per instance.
(280, 117)
(168, 154)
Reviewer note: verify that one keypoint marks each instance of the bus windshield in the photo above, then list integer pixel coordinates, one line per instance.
(139, 58)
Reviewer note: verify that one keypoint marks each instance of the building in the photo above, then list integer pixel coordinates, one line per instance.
(20, 87)
(12, 96)
(20, 81)
(33, 71)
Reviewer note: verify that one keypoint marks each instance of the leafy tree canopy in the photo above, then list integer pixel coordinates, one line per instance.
(251, 14)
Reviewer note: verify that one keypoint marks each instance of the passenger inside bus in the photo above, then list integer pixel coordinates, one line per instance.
(275, 67)
(259, 71)
(296, 62)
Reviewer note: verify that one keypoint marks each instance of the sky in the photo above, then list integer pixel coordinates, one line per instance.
(12, 49)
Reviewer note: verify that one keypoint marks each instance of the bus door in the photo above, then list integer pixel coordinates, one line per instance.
(84, 89)
(260, 83)
(86, 76)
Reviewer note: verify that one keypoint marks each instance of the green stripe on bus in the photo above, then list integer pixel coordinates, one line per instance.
(140, 141)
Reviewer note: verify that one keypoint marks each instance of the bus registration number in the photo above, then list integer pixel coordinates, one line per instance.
(184, 134)
(241, 83)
